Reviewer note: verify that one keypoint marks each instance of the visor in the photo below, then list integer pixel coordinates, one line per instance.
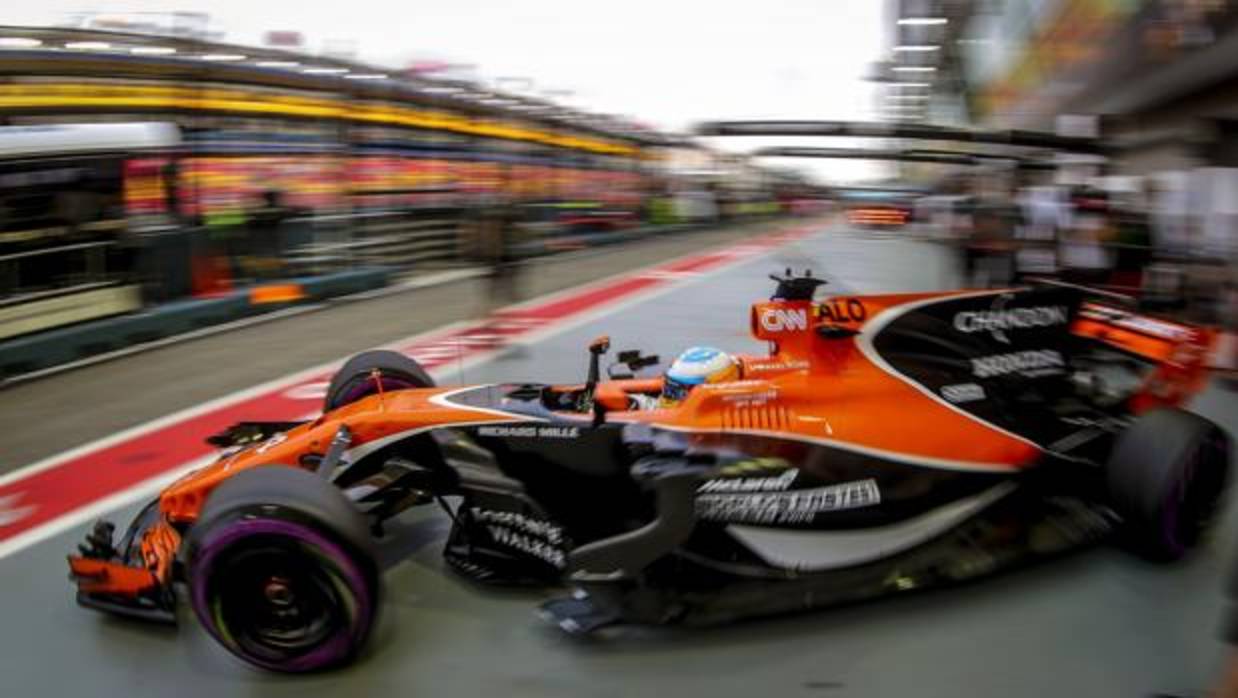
(676, 390)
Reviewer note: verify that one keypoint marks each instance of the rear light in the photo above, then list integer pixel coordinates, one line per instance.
(878, 216)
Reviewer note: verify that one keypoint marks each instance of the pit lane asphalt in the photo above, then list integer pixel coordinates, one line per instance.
(1099, 623)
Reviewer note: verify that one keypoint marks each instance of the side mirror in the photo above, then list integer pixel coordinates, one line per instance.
(633, 361)
(597, 347)
(601, 345)
(645, 362)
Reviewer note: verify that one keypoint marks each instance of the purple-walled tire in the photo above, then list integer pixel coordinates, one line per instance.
(355, 378)
(279, 571)
(1166, 475)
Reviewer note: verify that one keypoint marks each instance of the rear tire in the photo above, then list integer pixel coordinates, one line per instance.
(1165, 476)
(355, 378)
(281, 571)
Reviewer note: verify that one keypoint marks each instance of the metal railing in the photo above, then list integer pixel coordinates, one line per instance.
(34, 273)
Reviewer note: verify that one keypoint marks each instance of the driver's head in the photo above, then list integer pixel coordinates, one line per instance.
(695, 366)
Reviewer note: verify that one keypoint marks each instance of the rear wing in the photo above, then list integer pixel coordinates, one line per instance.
(1151, 338)
(1179, 351)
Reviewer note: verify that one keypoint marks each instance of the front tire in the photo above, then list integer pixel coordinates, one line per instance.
(1165, 476)
(280, 571)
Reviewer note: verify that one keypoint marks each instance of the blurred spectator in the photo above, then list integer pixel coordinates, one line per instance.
(1046, 213)
(1082, 251)
(1133, 242)
(172, 195)
(989, 246)
(497, 243)
(265, 234)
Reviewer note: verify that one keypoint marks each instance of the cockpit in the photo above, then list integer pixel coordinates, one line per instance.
(624, 391)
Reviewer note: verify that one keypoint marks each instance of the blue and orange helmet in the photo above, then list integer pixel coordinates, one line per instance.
(697, 366)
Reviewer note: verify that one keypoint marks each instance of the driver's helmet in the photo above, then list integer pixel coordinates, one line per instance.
(695, 366)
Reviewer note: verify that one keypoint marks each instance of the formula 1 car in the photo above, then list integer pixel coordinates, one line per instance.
(885, 443)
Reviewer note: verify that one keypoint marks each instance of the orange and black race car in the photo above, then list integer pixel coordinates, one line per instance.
(885, 443)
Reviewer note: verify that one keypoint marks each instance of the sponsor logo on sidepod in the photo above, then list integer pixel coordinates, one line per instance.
(796, 506)
(962, 392)
(530, 535)
(998, 319)
(751, 484)
(1033, 362)
(843, 310)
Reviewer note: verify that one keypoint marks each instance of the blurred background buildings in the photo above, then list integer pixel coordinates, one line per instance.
(142, 162)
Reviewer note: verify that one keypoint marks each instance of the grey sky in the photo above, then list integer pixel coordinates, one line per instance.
(666, 63)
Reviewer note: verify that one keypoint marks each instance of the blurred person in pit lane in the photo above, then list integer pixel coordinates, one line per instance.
(1046, 213)
(498, 246)
(1133, 240)
(989, 246)
(1083, 250)
(266, 233)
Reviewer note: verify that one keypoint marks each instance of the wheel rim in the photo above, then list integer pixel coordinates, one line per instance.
(280, 595)
(274, 605)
